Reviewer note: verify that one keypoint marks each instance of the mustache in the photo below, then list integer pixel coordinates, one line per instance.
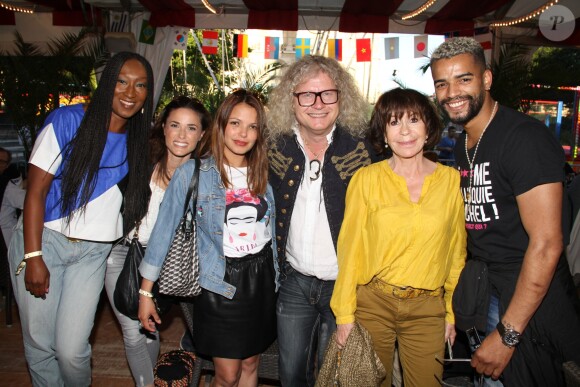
(461, 97)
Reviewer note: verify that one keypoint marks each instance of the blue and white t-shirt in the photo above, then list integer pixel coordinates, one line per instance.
(102, 220)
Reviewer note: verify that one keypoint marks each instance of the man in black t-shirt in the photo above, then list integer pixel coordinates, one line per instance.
(511, 180)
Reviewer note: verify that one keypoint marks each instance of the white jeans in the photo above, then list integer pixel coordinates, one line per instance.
(56, 330)
(142, 349)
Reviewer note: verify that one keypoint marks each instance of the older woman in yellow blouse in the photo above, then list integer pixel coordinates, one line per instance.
(402, 244)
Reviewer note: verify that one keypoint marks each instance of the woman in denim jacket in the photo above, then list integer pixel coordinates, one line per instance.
(234, 319)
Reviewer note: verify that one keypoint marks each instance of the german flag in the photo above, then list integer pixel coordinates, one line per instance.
(240, 45)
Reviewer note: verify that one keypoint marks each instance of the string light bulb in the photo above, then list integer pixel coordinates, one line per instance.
(535, 13)
(419, 10)
(14, 8)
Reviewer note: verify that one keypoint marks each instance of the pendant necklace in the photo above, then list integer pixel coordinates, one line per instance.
(239, 171)
(470, 162)
(315, 166)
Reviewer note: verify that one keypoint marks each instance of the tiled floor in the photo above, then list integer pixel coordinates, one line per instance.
(110, 367)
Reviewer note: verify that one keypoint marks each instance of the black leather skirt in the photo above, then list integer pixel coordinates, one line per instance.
(245, 325)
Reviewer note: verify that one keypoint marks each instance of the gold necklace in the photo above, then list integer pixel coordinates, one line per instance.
(470, 162)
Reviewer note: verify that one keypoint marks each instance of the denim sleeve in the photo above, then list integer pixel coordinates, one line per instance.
(170, 213)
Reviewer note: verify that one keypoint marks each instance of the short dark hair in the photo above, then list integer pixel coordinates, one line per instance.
(457, 46)
(396, 103)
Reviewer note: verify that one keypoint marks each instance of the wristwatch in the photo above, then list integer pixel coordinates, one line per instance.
(509, 337)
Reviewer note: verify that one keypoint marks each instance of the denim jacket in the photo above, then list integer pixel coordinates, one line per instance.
(210, 215)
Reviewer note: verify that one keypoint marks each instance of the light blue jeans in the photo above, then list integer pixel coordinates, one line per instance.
(56, 330)
(305, 324)
(141, 349)
(492, 320)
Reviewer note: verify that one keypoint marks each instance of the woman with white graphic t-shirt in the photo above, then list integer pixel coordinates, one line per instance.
(234, 317)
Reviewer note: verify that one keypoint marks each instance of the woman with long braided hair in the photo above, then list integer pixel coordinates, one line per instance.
(86, 162)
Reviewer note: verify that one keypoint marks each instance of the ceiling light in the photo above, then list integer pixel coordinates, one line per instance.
(534, 13)
(15, 9)
(419, 10)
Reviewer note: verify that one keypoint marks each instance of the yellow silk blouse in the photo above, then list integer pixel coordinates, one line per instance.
(385, 234)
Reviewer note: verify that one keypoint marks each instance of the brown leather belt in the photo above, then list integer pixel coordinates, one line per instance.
(403, 291)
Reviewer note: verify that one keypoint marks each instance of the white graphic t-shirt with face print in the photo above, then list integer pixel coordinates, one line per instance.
(246, 223)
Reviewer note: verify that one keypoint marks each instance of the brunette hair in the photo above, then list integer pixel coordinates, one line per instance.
(157, 141)
(396, 103)
(256, 157)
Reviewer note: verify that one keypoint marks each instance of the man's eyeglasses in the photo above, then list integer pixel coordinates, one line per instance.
(308, 98)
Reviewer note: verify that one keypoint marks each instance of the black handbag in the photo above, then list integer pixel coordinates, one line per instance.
(179, 274)
(126, 294)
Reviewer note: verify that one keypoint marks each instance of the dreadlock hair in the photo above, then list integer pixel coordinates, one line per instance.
(256, 157)
(83, 154)
(157, 145)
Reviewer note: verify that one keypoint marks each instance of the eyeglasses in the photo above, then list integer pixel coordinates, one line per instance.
(308, 98)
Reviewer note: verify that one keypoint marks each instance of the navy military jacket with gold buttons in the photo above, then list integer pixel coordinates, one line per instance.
(344, 156)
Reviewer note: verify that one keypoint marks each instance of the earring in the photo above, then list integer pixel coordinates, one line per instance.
(386, 145)
(142, 110)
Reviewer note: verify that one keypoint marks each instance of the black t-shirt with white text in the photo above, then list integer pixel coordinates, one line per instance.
(515, 154)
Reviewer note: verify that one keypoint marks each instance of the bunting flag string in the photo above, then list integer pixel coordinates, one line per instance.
(118, 21)
(391, 48)
(335, 49)
(421, 46)
(302, 47)
(180, 41)
(210, 42)
(240, 46)
(272, 47)
(147, 34)
(363, 50)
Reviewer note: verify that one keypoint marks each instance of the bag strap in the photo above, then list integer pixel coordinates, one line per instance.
(192, 190)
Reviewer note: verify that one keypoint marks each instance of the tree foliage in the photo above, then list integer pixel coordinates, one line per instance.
(511, 76)
(553, 66)
(189, 74)
(32, 77)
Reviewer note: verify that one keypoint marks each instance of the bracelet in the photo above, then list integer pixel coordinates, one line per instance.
(33, 254)
(145, 293)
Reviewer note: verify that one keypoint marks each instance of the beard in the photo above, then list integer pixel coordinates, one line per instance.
(473, 109)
